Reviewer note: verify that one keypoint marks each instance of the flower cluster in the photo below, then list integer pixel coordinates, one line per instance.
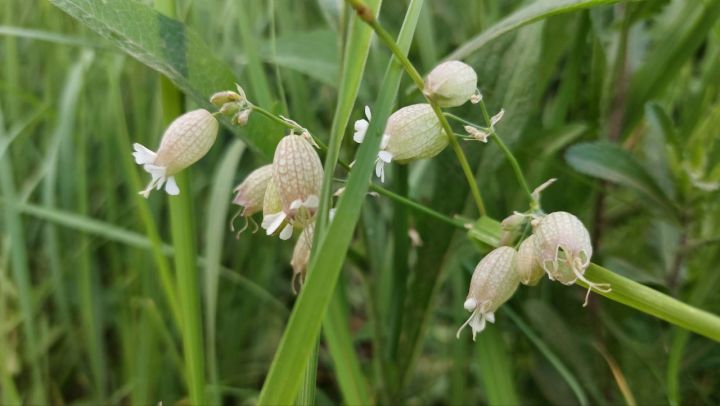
(414, 132)
(559, 247)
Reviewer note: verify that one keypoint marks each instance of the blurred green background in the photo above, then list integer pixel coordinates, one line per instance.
(619, 101)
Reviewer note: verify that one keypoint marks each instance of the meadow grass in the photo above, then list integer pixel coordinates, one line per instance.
(108, 298)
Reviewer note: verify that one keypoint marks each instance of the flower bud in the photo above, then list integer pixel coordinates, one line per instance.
(250, 193)
(413, 132)
(493, 283)
(451, 83)
(242, 117)
(563, 249)
(301, 255)
(529, 270)
(185, 141)
(297, 175)
(227, 96)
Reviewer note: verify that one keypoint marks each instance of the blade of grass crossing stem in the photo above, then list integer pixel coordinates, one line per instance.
(353, 67)
(352, 382)
(215, 232)
(122, 138)
(183, 237)
(336, 328)
(495, 369)
(564, 372)
(303, 327)
(21, 275)
(183, 233)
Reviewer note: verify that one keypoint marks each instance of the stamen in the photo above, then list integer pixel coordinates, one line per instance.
(600, 287)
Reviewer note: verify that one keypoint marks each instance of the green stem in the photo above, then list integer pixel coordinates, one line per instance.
(379, 189)
(534, 205)
(388, 40)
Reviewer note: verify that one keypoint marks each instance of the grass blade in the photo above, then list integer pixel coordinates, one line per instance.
(283, 380)
(532, 12)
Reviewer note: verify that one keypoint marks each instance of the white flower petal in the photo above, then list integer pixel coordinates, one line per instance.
(367, 113)
(171, 187)
(271, 222)
(286, 233)
(143, 155)
(385, 156)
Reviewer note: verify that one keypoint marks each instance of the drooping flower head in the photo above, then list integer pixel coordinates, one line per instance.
(493, 283)
(249, 195)
(451, 83)
(528, 268)
(563, 249)
(297, 177)
(185, 141)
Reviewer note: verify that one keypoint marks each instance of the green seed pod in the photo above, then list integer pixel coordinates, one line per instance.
(451, 83)
(528, 268)
(493, 283)
(563, 249)
(250, 193)
(185, 141)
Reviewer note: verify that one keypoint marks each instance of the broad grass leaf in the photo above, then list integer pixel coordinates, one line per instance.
(167, 46)
(609, 162)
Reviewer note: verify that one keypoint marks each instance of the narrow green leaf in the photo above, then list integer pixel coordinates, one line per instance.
(215, 232)
(496, 371)
(609, 162)
(303, 327)
(532, 12)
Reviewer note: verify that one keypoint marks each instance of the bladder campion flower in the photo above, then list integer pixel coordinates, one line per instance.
(451, 84)
(529, 270)
(250, 193)
(563, 249)
(185, 141)
(297, 176)
(493, 283)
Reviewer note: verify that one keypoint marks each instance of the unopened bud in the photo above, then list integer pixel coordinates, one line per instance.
(451, 83)
(493, 283)
(227, 96)
(185, 141)
(563, 249)
(242, 117)
(229, 109)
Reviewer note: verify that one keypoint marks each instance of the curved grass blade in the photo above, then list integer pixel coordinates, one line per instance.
(610, 162)
(533, 12)
(303, 327)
